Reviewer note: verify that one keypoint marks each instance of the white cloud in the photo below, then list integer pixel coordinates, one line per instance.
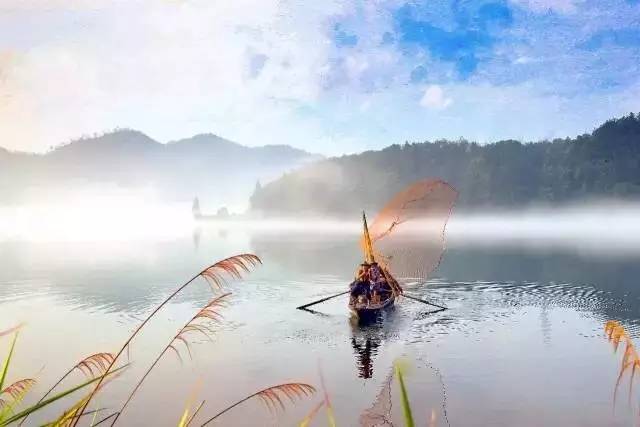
(168, 68)
(521, 60)
(435, 99)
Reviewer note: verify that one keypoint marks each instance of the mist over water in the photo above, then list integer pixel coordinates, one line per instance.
(602, 228)
(104, 217)
(610, 227)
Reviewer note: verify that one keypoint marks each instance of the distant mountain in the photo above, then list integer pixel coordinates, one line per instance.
(218, 171)
(605, 163)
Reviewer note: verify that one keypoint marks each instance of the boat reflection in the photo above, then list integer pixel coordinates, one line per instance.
(365, 342)
(364, 352)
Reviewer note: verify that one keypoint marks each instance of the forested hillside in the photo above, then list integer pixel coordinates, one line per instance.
(605, 163)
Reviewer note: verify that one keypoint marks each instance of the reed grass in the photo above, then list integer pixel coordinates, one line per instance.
(274, 397)
(630, 361)
(215, 275)
(327, 401)
(100, 368)
(209, 313)
(91, 367)
(12, 396)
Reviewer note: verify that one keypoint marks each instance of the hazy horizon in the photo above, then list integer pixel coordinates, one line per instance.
(99, 133)
(602, 227)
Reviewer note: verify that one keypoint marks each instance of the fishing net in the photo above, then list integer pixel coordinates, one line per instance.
(379, 413)
(407, 235)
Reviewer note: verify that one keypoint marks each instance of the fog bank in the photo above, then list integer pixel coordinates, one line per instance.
(602, 227)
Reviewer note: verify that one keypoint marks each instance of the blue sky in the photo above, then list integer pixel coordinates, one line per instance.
(331, 77)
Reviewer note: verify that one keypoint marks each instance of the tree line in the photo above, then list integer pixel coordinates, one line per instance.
(604, 163)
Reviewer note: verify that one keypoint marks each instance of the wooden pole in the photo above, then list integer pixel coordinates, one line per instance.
(368, 246)
(426, 302)
(302, 307)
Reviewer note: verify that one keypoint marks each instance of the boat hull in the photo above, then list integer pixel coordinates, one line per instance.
(372, 312)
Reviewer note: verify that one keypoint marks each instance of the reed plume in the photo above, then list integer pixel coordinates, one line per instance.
(615, 334)
(74, 413)
(14, 394)
(19, 388)
(91, 367)
(95, 365)
(209, 313)
(198, 324)
(11, 330)
(215, 275)
(273, 398)
(234, 267)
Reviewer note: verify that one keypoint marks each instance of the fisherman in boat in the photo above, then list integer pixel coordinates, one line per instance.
(374, 272)
(360, 288)
(380, 289)
(375, 278)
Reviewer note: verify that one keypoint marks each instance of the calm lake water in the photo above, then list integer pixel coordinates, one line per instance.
(521, 344)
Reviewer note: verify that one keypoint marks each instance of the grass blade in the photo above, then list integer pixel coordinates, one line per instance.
(404, 397)
(90, 366)
(55, 398)
(185, 418)
(7, 361)
(191, 418)
(311, 415)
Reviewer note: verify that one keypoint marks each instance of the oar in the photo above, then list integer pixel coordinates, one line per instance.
(302, 307)
(425, 302)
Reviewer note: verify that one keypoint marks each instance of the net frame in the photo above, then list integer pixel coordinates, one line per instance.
(407, 236)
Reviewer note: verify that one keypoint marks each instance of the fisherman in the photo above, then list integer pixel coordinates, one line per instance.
(379, 286)
(361, 286)
(375, 273)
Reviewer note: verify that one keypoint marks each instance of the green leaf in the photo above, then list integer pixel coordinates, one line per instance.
(404, 397)
(7, 361)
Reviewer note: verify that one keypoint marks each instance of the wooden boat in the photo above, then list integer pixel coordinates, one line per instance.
(369, 310)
